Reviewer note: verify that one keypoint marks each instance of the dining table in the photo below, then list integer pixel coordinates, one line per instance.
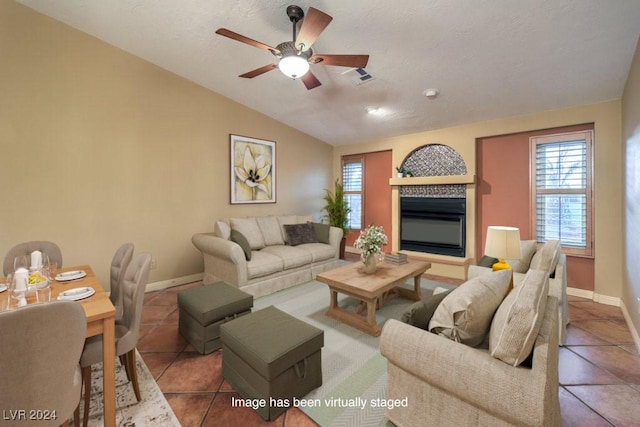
(100, 314)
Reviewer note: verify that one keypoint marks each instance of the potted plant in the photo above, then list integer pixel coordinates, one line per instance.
(400, 171)
(337, 210)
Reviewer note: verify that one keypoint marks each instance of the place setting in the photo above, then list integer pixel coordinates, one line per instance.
(34, 274)
(68, 276)
(76, 294)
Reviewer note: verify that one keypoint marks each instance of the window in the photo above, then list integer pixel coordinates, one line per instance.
(352, 181)
(561, 190)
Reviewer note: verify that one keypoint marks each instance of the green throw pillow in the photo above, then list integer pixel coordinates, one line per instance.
(419, 313)
(239, 238)
(487, 261)
(322, 232)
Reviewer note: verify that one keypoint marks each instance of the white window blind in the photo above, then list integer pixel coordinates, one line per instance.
(352, 181)
(562, 190)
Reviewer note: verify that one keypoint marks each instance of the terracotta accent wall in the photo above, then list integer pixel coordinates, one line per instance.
(503, 194)
(502, 185)
(377, 201)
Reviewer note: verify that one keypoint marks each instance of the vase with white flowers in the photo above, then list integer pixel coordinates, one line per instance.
(370, 243)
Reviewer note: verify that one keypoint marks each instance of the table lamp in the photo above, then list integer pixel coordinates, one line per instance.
(502, 243)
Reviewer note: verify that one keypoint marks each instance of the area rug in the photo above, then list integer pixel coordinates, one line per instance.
(354, 374)
(153, 409)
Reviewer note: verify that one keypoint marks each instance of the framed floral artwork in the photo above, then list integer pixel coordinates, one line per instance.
(253, 170)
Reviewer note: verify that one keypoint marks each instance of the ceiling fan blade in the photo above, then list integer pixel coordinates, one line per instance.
(313, 24)
(310, 81)
(247, 40)
(258, 71)
(356, 61)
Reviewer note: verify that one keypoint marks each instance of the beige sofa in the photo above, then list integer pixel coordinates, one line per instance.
(449, 383)
(546, 257)
(275, 264)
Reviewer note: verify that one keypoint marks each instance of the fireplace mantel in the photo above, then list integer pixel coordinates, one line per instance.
(433, 180)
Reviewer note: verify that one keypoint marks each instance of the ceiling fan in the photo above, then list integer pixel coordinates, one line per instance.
(295, 57)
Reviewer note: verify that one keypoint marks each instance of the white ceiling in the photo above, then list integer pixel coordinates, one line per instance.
(488, 58)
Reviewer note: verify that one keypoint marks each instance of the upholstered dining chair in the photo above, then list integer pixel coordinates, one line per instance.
(133, 284)
(119, 264)
(51, 249)
(40, 352)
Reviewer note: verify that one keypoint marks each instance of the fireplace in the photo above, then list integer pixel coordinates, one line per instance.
(433, 225)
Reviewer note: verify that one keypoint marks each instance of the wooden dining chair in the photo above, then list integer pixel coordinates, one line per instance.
(40, 348)
(134, 282)
(51, 249)
(119, 264)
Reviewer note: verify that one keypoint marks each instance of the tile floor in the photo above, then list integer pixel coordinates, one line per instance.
(599, 370)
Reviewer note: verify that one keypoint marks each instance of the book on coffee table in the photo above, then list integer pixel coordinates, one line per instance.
(395, 258)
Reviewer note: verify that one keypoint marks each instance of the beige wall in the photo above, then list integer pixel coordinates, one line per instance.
(98, 147)
(631, 141)
(607, 169)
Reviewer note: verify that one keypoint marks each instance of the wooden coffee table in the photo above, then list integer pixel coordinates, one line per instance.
(374, 290)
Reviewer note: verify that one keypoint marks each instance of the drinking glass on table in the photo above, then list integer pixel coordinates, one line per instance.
(49, 268)
(43, 291)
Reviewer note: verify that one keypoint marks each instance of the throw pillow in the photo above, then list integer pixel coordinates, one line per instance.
(419, 313)
(546, 258)
(527, 249)
(300, 233)
(249, 228)
(465, 314)
(270, 228)
(285, 220)
(487, 261)
(517, 321)
(239, 238)
(222, 230)
(322, 232)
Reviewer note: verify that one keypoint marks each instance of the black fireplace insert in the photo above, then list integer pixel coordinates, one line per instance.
(433, 225)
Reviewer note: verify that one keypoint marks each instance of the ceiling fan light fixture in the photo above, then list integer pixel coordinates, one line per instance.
(294, 66)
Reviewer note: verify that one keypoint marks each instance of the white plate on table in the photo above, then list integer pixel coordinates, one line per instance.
(76, 294)
(70, 275)
(3, 287)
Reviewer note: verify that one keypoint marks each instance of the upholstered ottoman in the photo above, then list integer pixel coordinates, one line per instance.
(272, 357)
(203, 309)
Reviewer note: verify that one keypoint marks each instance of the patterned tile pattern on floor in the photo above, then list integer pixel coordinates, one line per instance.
(599, 369)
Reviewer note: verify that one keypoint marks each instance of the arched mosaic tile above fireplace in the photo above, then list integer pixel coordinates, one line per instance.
(434, 160)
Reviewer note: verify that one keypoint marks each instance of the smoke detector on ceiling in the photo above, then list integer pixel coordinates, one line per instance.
(358, 76)
(431, 93)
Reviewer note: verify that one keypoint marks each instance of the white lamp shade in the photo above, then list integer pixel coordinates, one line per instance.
(294, 66)
(503, 242)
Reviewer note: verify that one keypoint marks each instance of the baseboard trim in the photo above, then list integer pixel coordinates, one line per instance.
(580, 293)
(634, 331)
(606, 299)
(164, 284)
(599, 298)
